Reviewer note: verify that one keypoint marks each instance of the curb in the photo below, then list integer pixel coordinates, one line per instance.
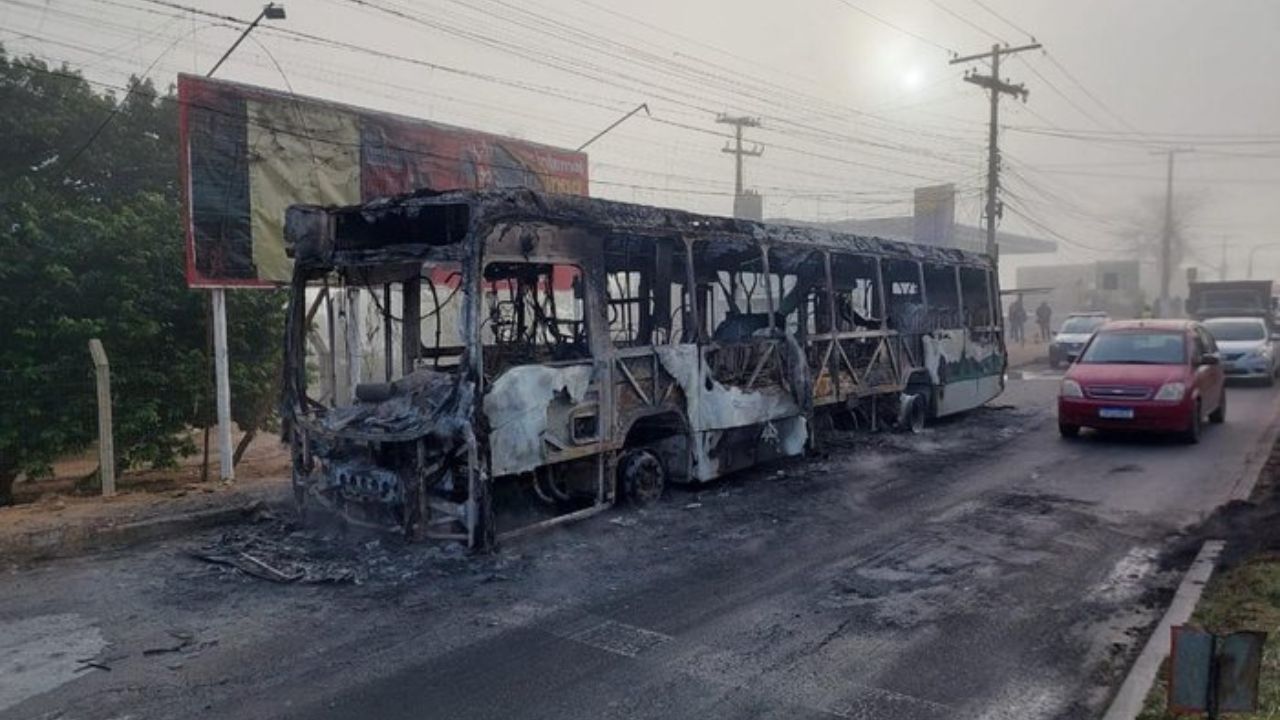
(61, 542)
(1031, 361)
(1128, 700)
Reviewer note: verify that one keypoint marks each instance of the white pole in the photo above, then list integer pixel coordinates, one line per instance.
(106, 441)
(226, 469)
(355, 340)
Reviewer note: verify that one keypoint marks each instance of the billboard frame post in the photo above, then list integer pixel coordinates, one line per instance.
(222, 384)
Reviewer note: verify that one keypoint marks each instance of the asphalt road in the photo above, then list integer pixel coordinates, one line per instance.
(984, 569)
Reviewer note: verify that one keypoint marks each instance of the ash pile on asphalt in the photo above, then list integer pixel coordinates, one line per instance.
(279, 549)
(1249, 527)
(285, 552)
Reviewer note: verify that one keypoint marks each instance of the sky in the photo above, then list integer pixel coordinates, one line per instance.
(857, 100)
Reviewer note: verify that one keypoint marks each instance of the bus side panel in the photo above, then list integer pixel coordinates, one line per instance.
(733, 428)
(720, 452)
(966, 368)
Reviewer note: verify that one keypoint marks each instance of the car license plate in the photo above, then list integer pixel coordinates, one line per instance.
(1113, 413)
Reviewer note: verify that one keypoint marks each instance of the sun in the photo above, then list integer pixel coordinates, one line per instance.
(912, 79)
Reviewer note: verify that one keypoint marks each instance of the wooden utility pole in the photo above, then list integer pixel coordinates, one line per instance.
(106, 442)
(1166, 235)
(739, 152)
(996, 87)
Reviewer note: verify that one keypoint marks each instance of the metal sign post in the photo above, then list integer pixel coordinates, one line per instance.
(1214, 674)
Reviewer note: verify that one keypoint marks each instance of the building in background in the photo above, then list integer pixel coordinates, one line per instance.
(1111, 286)
(748, 205)
(933, 222)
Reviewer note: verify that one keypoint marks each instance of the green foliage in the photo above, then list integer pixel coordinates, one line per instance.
(91, 246)
(255, 348)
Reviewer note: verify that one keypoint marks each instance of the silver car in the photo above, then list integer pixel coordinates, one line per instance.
(1072, 336)
(1246, 346)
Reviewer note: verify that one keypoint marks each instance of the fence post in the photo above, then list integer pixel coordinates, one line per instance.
(106, 443)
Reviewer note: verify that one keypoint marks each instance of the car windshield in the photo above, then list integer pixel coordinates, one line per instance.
(1081, 325)
(1231, 330)
(1136, 348)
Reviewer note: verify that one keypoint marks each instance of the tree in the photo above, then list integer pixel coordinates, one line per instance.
(255, 350)
(1144, 232)
(91, 246)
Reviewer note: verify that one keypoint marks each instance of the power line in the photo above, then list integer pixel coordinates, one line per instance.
(1004, 19)
(1211, 138)
(967, 21)
(698, 96)
(295, 35)
(1096, 100)
(1057, 91)
(309, 136)
(816, 133)
(896, 27)
(1044, 227)
(71, 161)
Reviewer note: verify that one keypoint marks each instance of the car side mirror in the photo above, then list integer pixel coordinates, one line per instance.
(1209, 359)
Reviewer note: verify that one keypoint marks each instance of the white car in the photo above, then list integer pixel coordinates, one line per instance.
(1246, 346)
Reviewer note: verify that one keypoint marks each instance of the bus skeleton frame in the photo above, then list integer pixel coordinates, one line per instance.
(635, 346)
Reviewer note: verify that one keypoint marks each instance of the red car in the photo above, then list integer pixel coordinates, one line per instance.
(1155, 375)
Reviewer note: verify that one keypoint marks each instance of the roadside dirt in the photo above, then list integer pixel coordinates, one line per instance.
(1249, 527)
(265, 458)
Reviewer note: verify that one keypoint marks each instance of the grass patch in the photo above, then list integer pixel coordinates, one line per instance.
(1245, 597)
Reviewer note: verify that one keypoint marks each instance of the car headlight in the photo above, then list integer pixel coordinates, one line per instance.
(1071, 389)
(1171, 392)
(1260, 353)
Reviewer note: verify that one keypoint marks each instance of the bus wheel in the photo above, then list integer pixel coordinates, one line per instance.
(641, 476)
(911, 412)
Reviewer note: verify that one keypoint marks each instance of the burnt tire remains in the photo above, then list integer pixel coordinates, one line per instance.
(641, 476)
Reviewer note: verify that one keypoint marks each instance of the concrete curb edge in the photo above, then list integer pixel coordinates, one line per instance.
(1128, 700)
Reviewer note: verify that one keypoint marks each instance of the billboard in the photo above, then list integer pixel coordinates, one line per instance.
(248, 153)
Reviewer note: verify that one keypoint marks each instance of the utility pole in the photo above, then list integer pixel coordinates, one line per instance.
(996, 87)
(1166, 237)
(739, 152)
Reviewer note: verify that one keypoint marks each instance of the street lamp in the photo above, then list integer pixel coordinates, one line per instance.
(1254, 251)
(218, 298)
(270, 11)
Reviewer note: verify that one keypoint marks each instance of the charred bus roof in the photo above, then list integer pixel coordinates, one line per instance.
(429, 224)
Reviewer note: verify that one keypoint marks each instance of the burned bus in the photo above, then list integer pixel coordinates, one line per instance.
(595, 351)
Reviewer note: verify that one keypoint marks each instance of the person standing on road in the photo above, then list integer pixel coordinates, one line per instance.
(1044, 315)
(1017, 319)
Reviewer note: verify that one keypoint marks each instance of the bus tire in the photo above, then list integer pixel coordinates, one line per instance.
(912, 412)
(642, 477)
